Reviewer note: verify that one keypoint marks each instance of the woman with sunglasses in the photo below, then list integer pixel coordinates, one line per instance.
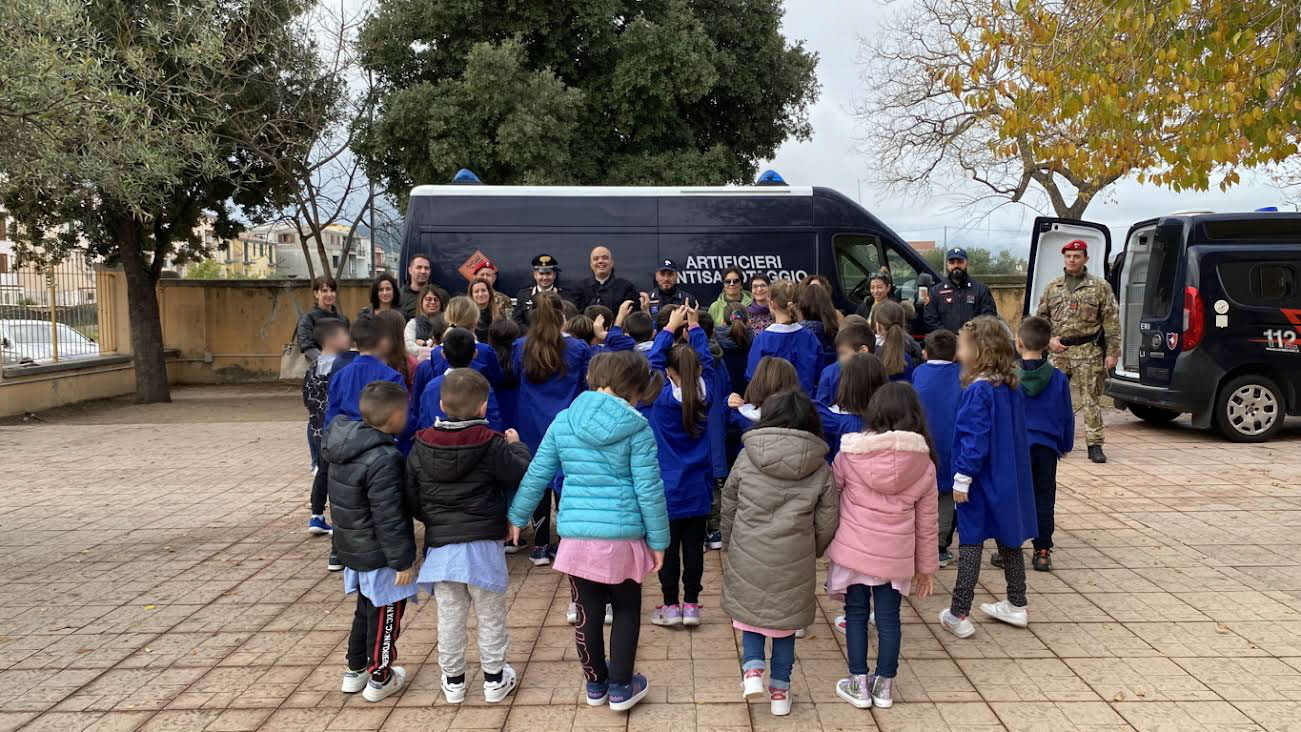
(732, 293)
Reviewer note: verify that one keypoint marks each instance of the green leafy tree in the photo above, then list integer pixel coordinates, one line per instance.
(583, 92)
(208, 269)
(136, 118)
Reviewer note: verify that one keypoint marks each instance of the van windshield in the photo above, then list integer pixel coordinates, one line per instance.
(1167, 248)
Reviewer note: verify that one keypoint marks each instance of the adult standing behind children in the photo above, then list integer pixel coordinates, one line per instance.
(546, 270)
(612, 516)
(604, 287)
(733, 294)
(1086, 335)
(958, 298)
(939, 387)
(552, 369)
(787, 339)
(372, 535)
(383, 294)
(780, 511)
(460, 475)
(418, 271)
(760, 314)
(325, 293)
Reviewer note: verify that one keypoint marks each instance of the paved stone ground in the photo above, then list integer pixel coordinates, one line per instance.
(157, 576)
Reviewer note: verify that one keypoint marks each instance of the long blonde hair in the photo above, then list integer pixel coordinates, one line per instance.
(461, 312)
(995, 351)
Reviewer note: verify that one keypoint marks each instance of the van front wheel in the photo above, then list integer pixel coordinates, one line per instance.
(1249, 409)
(1153, 415)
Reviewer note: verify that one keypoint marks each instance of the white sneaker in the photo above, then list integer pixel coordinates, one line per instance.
(571, 614)
(779, 701)
(374, 692)
(752, 683)
(840, 623)
(961, 627)
(354, 681)
(609, 613)
(454, 693)
(1006, 612)
(801, 632)
(495, 691)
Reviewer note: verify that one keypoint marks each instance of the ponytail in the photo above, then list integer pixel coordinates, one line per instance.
(889, 317)
(544, 348)
(738, 328)
(685, 363)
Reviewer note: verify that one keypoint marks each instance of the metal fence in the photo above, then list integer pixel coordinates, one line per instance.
(49, 315)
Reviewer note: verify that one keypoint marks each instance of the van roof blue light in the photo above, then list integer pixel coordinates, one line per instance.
(1267, 209)
(465, 176)
(770, 178)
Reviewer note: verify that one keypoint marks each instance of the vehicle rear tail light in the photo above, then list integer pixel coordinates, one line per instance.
(1194, 318)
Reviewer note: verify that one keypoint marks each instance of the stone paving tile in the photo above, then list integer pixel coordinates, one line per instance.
(188, 598)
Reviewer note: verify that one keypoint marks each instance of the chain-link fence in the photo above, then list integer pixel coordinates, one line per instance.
(48, 314)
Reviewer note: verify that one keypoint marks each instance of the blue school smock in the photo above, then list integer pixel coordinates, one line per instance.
(540, 401)
(686, 462)
(743, 418)
(905, 376)
(717, 425)
(485, 362)
(828, 382)
(735, 358)
(836, 423)
(795, 344)
(989, 446)
(346, 385)
(615, 340)
(431, 410)
(939, 387)
(1049, 415)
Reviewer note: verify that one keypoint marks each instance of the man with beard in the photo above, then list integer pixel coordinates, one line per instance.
(418, 270)
(957, 298)
(666, 293)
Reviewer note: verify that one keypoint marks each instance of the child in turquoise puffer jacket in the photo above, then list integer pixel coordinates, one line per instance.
(612, 515)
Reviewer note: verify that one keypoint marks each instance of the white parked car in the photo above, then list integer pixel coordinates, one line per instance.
(29, 342)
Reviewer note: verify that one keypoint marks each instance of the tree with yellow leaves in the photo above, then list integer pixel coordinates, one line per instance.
(1062, 98)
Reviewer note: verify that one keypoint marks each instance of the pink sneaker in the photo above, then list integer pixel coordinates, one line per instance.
(779, 701)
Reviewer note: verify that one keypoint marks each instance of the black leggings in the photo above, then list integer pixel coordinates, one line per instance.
(542, 520)
(320, 487)
(589, 632)
(969, 557)
(687, 537)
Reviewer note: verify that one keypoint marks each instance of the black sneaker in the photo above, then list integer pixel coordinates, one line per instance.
(996, 559)
(333, 564)
(1043, 560)
(1096, 455)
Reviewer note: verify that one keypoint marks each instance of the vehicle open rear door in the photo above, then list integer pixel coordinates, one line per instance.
(1046, 242)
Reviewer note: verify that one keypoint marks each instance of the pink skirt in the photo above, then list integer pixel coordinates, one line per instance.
(608, 561)
(768, 632)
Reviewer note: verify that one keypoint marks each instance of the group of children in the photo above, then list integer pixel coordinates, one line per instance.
(843, 438)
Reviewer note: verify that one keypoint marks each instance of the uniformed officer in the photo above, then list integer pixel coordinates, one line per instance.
(1085, 318)
(545, 271)
(958, 298)
(666, 293)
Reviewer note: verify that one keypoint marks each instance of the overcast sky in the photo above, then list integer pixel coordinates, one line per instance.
(832, 28)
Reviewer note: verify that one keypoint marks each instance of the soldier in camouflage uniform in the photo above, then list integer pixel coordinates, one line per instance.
(1084, 314)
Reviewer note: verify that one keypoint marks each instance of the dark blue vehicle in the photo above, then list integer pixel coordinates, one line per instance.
(1210, 311)
(779, 230)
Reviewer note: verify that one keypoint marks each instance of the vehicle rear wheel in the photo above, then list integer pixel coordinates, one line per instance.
(1249, 408)
(1153, 415)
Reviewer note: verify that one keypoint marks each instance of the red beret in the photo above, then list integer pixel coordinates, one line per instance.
(1079, 245)
(485, 264)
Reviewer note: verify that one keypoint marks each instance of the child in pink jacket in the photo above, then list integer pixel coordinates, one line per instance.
(886, 544)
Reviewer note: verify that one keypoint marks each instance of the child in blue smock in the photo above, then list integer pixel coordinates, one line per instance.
(1050, 422)
(771, 376)
(891, 327)
(787, 339)
(502, 335)
(679, 416)
(459, 350)
(855, 336)
(860, 376)
(716, 428)
(991, 474)
(552, 369)
(607, 328)
(939, 387)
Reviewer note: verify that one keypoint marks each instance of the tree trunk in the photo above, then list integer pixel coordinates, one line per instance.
(146, 325)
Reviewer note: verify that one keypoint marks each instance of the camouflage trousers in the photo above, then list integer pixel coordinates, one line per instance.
(1085, 367)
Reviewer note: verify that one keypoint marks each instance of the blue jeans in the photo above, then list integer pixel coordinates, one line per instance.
(313, 445)
(783, 656)
(858, 604)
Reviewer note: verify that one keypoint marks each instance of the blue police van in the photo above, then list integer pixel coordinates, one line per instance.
(1210, 311)
(779, 230)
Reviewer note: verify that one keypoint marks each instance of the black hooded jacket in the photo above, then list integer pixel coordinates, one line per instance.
(461, 477)
(371, 526)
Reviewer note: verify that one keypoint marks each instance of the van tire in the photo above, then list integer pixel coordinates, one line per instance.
(1153, 415)
(1250, 408)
